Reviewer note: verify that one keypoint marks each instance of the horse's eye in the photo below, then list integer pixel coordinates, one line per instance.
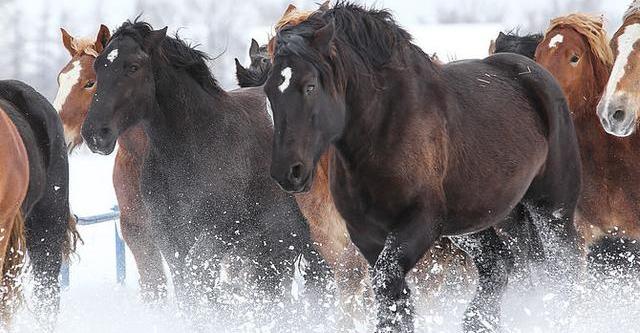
(133, 68)
(265, 60)
(89, 84)
(575, 59)
(309, 89)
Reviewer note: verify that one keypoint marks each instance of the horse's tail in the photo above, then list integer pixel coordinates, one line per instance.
(10, 291)
(72, 236)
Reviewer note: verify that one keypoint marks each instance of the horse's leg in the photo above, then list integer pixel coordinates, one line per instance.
(492, 259)
(135, 226)
(351, 272)
(402, 249)
(12, 249)
(523, 241)
(46, 231)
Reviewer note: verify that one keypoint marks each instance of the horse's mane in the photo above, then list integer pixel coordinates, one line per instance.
(174, 52)
(592, 29)
(634, 9)
(514, 34)
(84, 46)
(372, 35)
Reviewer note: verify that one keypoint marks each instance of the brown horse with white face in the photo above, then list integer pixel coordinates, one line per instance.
(77, 85)
(576, 51)
(618, 108)
(14, 182)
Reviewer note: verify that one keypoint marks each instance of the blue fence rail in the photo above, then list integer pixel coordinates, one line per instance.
(121, 267)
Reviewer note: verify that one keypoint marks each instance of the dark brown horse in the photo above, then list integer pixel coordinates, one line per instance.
(420, 152)
(513, 43)
(330, 235)
(206, 177)
(576, 51)
(49, 229)
(258, 70)
(77, 84)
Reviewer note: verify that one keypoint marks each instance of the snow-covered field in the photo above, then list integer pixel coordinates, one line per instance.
(95, 303)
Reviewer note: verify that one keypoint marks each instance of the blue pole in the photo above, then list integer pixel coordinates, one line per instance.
(64, 275)
(121, 266)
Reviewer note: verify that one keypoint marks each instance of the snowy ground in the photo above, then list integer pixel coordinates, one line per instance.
(96, 303)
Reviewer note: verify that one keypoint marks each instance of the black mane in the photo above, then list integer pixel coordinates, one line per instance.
(174, 52)
(372, 35)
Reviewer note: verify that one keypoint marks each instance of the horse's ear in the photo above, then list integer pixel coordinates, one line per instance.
(501, 35)
(325, 6)
(289, 9)
(103, 37)
(67, 41)
(253, 50)
(323, 38)
(239, 66)
(155, 38)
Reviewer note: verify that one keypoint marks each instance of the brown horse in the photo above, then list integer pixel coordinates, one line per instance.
(14, 182)
(330, 235)
(417, 150)
(618, 108)
(576, 51)
(77, 84)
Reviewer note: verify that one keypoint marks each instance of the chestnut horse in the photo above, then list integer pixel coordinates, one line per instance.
(14, 182)
(417, 150)
(77, 84)
(576, 51)
(49, 234)
(618, 108)
(258, 70)
(330, 235)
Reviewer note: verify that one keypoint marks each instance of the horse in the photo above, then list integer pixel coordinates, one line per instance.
(14, 182)
(77, 84)
(576, 51)
(514, 43)
(256, 74)
(329, 233)
(205, 178)
(618, 107)
(417, 150)
(49, 228)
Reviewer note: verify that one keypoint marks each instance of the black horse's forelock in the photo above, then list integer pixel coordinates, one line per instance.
(174, 52)
(369, 36)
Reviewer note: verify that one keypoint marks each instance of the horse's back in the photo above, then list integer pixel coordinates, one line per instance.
(507, 115)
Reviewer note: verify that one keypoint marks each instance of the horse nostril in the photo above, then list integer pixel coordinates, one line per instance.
(618, 115)
(105, 131)
(295, 173)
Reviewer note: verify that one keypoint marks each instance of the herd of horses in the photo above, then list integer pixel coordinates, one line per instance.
(348, 156)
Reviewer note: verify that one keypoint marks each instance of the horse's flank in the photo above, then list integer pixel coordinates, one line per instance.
(14, 182)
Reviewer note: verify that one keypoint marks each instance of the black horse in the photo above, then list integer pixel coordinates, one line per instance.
(525, 45)
(46, 206)
(423, 151)
(258, 71)
(206, 176)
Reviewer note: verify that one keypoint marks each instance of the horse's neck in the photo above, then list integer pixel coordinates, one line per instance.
(185, 112)
(371, 113)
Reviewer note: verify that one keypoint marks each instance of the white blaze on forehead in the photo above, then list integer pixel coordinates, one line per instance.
(625, 47)
(557, 39)
(67, 80)
(286, 73)
(269, 110)
(112, 55)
